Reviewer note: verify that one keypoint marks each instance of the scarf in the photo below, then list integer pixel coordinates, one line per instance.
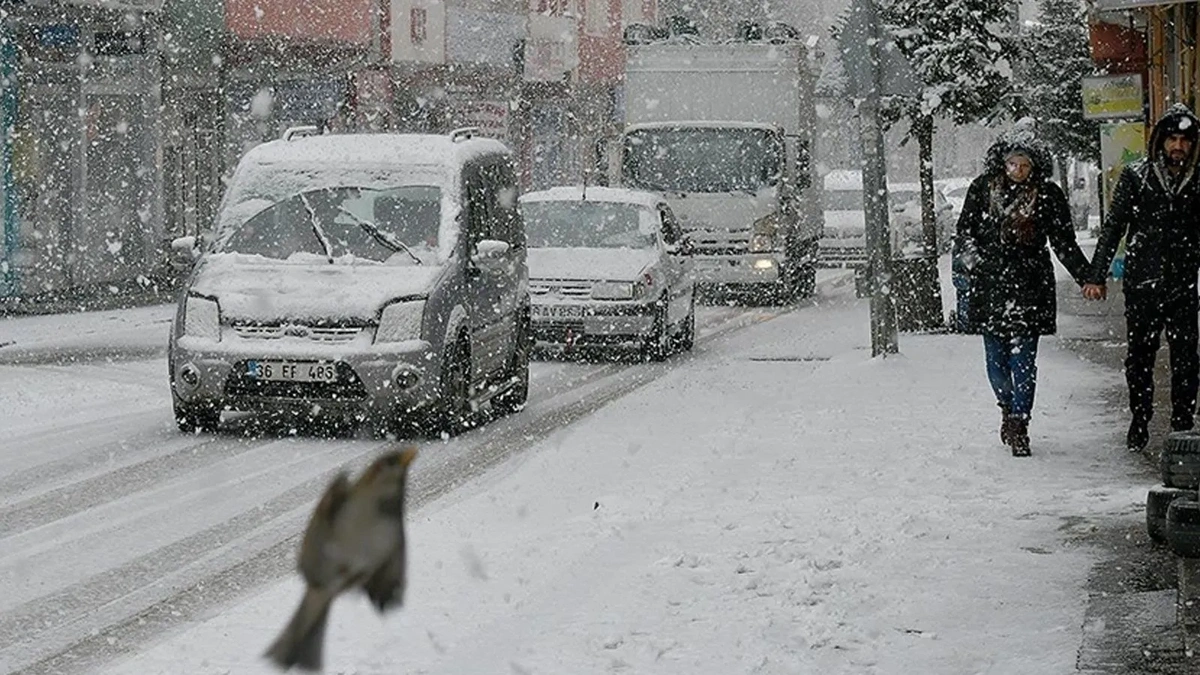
(1012, 206)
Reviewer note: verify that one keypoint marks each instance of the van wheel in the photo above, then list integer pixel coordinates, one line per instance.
(455, 409)
(514, 399)
(196, 419)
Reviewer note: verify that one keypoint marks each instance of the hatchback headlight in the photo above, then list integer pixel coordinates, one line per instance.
(202, 318)
(612, 290)
(400, 321)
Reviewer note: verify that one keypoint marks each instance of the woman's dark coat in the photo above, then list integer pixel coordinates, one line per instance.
(1013, 283)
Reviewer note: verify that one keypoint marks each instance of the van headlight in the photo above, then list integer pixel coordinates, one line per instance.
(612, 290)
(400, 321)
(202, 318)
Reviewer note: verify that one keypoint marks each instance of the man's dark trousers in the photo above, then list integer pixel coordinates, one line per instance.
(1149, 312)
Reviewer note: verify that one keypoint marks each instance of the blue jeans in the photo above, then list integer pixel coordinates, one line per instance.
(1012, 370)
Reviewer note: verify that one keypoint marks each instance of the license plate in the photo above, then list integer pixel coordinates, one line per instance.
(291, 371)
(558, 311)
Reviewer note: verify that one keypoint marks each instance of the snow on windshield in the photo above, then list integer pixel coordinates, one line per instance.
(394, 225)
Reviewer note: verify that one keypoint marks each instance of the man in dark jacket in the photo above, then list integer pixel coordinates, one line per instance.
(1012, 217)
(1156, 207)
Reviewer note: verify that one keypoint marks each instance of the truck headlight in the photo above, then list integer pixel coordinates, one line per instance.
(612, 290)
(202, 318)
(400, 321)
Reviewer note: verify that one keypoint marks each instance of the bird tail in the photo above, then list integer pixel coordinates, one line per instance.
(301, 642)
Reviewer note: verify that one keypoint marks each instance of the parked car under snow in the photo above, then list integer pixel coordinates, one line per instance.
(356, 275)
(608, 268)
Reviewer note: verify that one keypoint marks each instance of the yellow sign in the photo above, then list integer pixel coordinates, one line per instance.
(1112, 96)
(1120, 144)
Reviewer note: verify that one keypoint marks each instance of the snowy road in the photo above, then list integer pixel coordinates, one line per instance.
(114, 526)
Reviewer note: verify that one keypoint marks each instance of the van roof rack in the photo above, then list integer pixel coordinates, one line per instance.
(301, 132)
(464, 134)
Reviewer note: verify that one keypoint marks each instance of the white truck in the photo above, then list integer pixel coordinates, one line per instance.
(726, 132)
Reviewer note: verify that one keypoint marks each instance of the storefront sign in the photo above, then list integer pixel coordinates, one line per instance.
(490, 116)
(1112, 96)
(1120, 144)
(1110, 5)
(552, 49)
(487, 38)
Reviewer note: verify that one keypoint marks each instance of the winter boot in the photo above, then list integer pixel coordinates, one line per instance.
(1005, 426)
(1018, 436)
(1138, 436)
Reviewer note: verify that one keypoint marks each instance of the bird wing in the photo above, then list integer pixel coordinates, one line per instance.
(320, 530)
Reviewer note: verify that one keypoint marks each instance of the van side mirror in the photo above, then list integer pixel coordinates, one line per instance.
(490, 254)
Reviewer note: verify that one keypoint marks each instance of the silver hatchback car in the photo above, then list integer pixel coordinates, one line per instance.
(358, 275)
(608, 268)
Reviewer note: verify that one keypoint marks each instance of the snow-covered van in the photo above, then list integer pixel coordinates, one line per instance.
(373, 275)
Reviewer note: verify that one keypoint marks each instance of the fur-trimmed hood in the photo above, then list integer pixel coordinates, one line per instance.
(1021, 137)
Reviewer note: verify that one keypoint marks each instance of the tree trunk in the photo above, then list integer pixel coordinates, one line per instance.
(919, 291)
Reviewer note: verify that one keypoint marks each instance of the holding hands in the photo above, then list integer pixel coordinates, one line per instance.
(1095, 291)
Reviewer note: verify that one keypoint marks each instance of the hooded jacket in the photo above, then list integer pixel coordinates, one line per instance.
(1157, 213)
(1012, 282)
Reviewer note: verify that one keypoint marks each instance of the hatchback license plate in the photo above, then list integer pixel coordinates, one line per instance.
(558, 311)
(292, 371)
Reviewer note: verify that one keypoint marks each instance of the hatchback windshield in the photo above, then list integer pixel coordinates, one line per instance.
(397, 225)
(583, 224)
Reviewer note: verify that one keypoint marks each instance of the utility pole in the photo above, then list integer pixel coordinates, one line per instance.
(861, 41)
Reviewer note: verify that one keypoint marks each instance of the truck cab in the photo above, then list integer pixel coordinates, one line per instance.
(724, 131)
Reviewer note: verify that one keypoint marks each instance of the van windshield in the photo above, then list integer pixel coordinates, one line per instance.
(347, 224)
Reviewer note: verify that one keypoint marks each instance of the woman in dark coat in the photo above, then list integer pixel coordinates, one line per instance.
(1010, 213)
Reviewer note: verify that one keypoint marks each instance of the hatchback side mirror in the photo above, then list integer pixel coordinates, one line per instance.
(185, 251)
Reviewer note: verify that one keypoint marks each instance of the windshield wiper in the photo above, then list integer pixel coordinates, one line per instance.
(380, 236)
(321, 236)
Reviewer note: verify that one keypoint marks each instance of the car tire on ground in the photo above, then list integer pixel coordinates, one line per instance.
(1157, 502)
(658, 345)
(686, 338)
(196, 419)
(454, 410)
(513, 400)
(1183, 528)
(1180, 460)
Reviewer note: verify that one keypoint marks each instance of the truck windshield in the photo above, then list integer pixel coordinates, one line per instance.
(702, 159)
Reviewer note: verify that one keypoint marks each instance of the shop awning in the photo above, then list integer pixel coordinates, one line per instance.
(1109, 5)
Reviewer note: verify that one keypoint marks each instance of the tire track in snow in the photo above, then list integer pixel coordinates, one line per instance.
(92, 621)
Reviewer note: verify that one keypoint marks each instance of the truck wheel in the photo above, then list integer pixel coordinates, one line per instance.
(805, 281)
(196, 419)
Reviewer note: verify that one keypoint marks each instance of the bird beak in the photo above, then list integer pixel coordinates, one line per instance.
(407, 456)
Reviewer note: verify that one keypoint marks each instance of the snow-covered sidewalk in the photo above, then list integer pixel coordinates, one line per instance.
(780, 503)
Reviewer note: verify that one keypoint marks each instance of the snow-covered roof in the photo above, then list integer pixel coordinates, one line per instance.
(701, 124)
(408, 149)
(649, 200)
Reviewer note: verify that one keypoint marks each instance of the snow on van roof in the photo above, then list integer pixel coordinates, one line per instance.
(649, 200)
(702, 124)
(408, 149)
